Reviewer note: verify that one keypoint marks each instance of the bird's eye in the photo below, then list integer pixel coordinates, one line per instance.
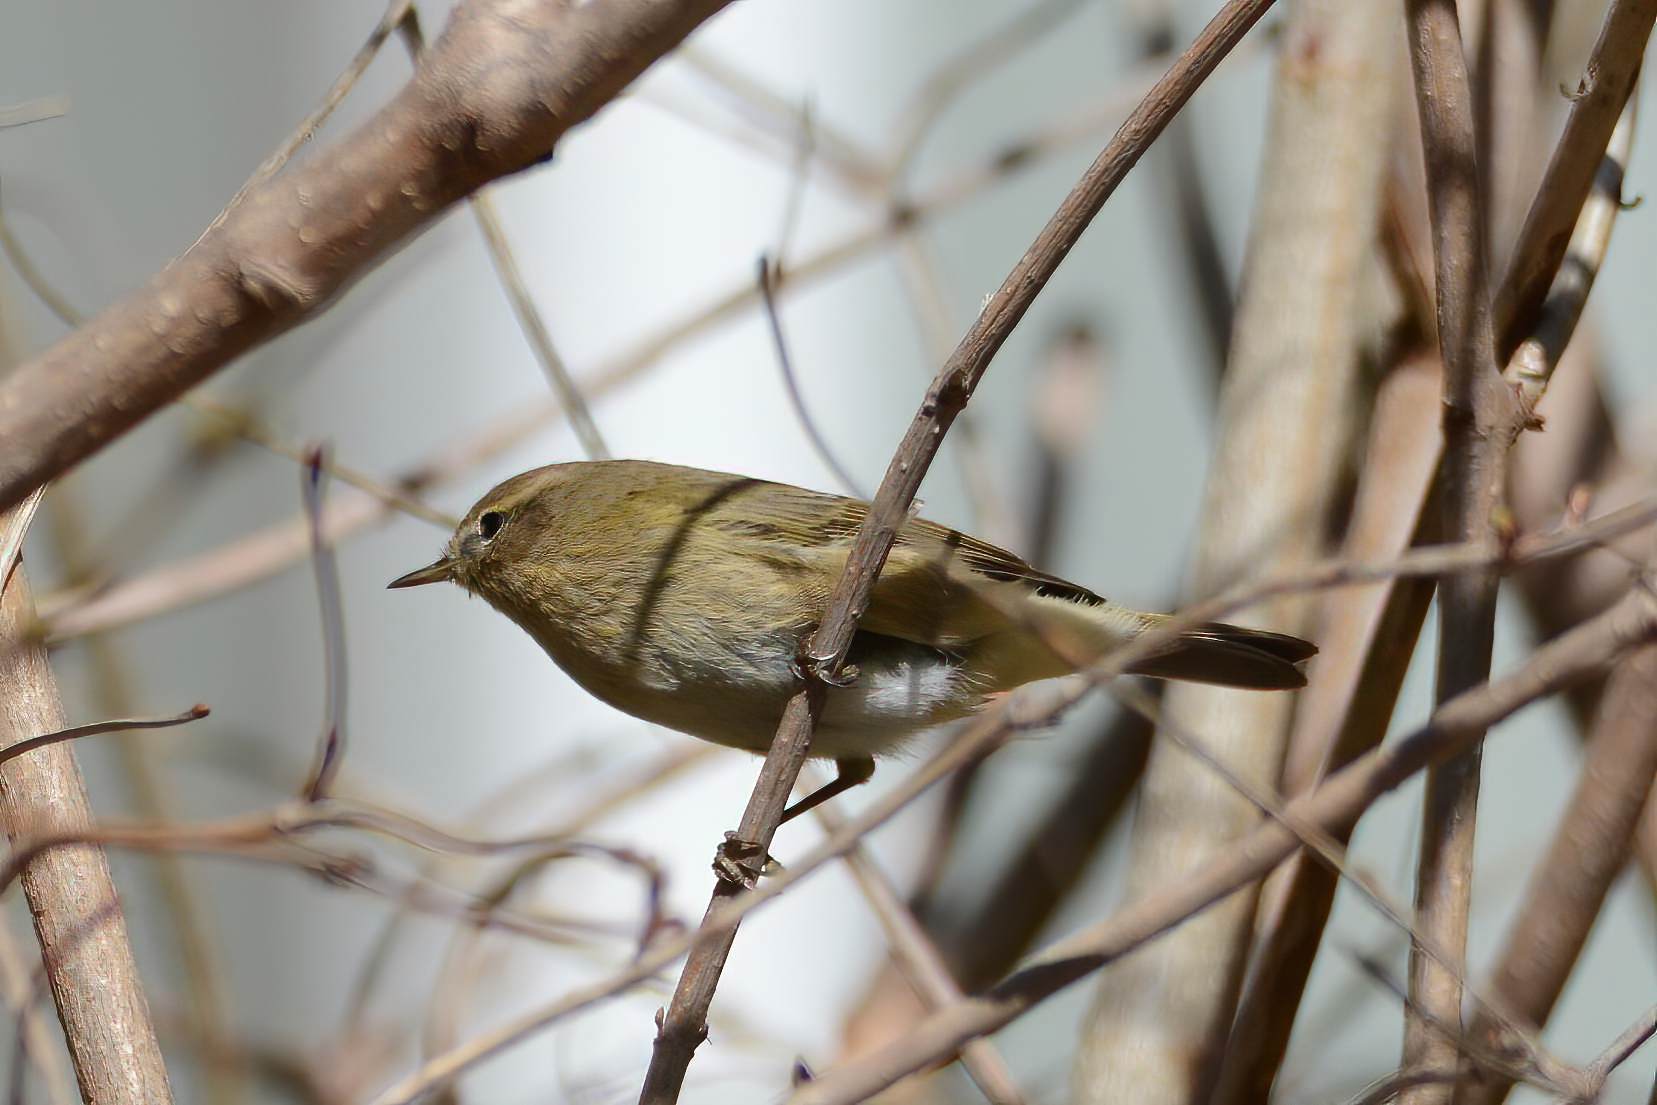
(490, 523)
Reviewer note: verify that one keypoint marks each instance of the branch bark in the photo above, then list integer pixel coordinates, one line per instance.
(683, 1027)
(77, 915)
(1480, 425)
(495, 94)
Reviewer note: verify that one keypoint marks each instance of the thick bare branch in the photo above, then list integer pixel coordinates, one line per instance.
(188, 924)
(77, 914)
(1366, 638)
(1157, 1029)
(493, 96)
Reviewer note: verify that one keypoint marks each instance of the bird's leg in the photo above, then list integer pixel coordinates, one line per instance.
(744, 861)
(851, 772)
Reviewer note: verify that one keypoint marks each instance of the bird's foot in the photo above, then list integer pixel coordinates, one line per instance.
(743, 862)
(806, 667)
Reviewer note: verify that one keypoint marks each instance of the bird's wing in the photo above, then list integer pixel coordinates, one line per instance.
(938, 586)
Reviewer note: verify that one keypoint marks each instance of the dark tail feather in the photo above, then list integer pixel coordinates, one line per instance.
(1232, 656)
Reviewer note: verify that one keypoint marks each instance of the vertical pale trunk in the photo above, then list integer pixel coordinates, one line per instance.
(1285, 414)
(77, 916)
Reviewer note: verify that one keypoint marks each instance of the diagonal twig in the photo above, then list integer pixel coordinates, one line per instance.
(1589, 850)
(922, 963)
(1454, 726)
(684, 1024)
(1569, 177)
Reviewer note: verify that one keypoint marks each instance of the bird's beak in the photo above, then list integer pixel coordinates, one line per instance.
(441, 571)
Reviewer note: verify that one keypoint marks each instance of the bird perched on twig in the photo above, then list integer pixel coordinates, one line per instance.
(683, 596)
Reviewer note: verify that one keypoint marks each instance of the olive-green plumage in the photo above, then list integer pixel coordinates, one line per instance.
(681, 596)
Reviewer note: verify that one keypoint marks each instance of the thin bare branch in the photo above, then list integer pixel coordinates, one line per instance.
(511, 277)
(945, 84)
(978, 739)
(920, 961)
(825, 452)
(244, 425)
(1532, 363)
(277, 836)
(684, 1026)
(1589, 850)
(115, 725)
(1628, 1041)
(330, 750)
(1393, 1085)
(605, 801)
(783, 119)
(1480, 426)
(33, 278)
(1455, 725)
(1540, 250)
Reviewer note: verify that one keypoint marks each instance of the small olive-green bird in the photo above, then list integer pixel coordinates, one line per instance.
(682, 597)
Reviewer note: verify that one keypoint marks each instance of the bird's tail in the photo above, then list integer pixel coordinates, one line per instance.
(1231, 656)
